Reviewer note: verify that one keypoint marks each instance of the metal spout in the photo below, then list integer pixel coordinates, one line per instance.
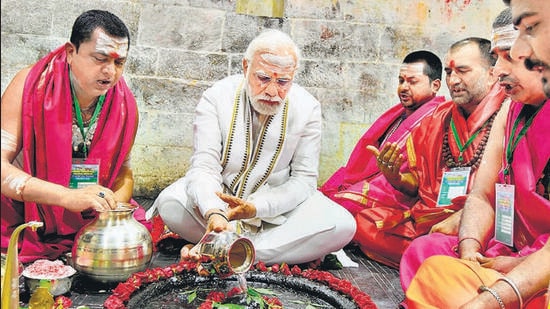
(10, 286)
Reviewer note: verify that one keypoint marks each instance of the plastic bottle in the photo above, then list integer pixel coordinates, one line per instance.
(42, 298)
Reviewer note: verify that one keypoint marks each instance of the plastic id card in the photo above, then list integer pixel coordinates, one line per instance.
(84, 173)
(453, 183)
(504, 213)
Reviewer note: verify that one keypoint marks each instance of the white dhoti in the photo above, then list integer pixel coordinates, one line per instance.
(271, 163)
(316, 227)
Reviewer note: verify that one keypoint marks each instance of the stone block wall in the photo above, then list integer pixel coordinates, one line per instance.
(351, 55)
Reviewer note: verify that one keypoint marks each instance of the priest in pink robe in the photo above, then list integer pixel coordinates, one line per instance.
(517, 156)
(361, 184)
(69, 113)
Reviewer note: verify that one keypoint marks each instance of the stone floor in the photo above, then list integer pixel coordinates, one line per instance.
(377, 280)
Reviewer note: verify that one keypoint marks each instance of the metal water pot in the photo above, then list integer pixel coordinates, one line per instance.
(113, 246)
(227, 253)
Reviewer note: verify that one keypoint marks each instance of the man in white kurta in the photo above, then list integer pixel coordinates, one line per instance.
(254, 169)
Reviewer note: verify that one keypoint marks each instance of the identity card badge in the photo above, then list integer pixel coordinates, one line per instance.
(504, 213)
(453, 183)
(84, 173)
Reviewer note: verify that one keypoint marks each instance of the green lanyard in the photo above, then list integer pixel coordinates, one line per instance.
(459, 142)
(513, 143)
(79, 117)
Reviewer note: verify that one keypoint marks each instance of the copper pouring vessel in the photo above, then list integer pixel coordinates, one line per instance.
(228, 253)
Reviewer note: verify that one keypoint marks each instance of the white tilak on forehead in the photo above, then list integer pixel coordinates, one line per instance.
(109, 46)
(286, 61)
(503, 37)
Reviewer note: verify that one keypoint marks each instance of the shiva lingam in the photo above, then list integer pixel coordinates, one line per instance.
(10, 283)
(228, 253)
(113, 246)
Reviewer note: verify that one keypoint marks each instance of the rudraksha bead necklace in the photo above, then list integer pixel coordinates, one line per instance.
(474, 162)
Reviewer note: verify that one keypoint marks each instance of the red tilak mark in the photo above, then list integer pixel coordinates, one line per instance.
(114, 55)
(452, 64)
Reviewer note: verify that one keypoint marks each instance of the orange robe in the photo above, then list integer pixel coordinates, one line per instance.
(446, 282)
(383, 233)
(529, 172)
(360, 184)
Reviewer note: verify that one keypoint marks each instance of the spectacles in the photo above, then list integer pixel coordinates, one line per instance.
(283, 83)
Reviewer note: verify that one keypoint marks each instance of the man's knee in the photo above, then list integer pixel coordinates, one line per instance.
(168, 205)
(347, 227)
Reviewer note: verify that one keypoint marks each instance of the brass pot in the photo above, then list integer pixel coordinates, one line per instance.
(228, 253)
(113, 246)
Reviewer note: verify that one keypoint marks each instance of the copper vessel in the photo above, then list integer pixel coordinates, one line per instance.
(228, 253)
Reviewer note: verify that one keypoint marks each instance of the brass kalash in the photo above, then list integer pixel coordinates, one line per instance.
(113, 246)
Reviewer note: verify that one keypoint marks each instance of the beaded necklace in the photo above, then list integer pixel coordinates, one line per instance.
(88, 114)
(85, 127)
(451, 162)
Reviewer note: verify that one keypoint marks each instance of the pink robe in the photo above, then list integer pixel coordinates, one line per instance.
(383, 233)
(47, 153)
(532, 211)
(360, 184)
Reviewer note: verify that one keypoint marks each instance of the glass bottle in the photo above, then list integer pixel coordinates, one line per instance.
(42, 298)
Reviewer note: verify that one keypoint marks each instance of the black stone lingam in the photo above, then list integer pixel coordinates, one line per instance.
(293, 292)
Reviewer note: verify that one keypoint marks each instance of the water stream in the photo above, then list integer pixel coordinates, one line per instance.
(242, 282)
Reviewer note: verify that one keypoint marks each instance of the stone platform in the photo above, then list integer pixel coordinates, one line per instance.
(380, 282)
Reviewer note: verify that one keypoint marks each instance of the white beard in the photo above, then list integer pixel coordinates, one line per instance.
(265, 109)
(262, 108)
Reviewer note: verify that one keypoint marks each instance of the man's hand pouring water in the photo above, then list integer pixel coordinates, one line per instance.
(217, 220)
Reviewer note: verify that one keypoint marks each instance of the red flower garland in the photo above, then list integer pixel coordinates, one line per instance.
(124, 290)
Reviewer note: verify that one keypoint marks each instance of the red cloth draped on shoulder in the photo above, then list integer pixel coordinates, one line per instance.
(424, 149)
(383, 233)
(531, 204)
(47, 152)
(347, 185)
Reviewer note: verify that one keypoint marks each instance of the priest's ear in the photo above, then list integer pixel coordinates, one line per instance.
(70, 50)
(435, 85)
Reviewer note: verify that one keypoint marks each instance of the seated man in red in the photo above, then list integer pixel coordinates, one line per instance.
(504, 245)
(522, 86)
(444, 151)
(361, 183)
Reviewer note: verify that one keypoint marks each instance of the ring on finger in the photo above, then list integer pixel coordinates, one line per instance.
(390, 166)
(101, 194)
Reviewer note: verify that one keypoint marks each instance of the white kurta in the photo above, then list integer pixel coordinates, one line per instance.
(277, 173)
